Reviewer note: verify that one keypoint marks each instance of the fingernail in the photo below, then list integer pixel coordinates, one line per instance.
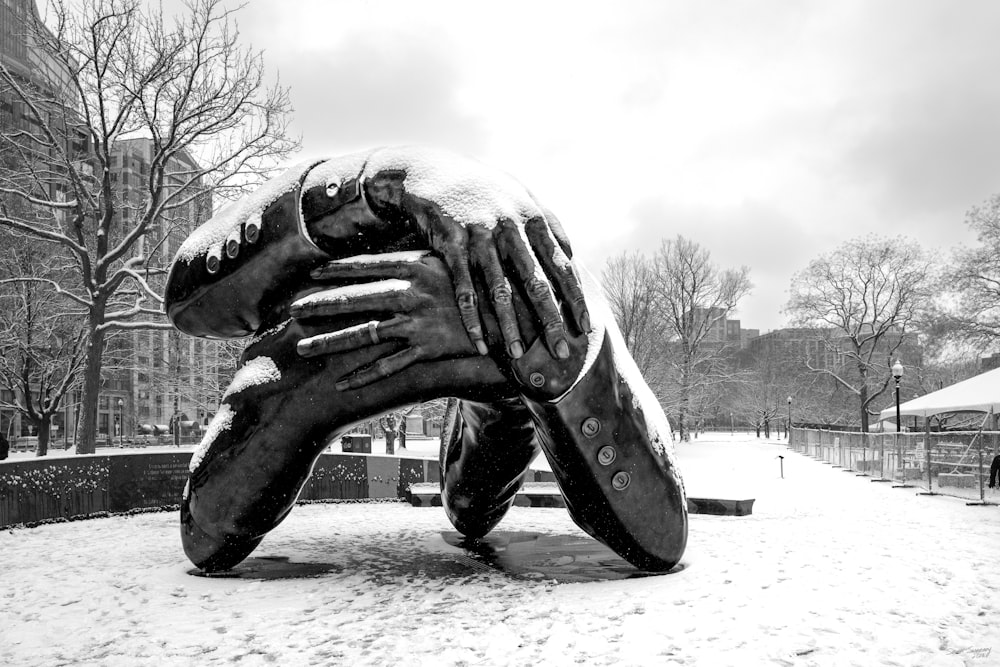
(481, 346)
(342, 385)
(562, 350)
(585, 322)
(516, 349)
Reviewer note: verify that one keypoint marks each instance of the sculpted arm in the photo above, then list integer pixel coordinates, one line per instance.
(485, 225)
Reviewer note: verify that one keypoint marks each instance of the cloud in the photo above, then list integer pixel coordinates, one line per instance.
(368, 91)
(754, 233)
(936, 149)
(926, 111)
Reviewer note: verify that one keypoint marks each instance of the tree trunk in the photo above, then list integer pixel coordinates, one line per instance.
(863, 395)
(685, 404)
(44, 429)
(87, 435)
(864, 414)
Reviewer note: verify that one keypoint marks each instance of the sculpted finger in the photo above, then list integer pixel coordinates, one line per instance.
(557, 229)
(559, 269)
(515, 250)
(384, 296)
(455, 252)
(379, 370)
(370, 267)
(352, 338)
(485, 253)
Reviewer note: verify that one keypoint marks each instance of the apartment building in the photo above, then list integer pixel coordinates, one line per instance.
(168, 378)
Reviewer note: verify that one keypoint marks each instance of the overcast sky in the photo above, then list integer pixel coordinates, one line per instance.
(768, 132)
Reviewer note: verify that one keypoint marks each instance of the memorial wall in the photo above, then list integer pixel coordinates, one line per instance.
(36, 491)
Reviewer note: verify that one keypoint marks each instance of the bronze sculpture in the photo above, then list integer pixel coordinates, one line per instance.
(397, 276)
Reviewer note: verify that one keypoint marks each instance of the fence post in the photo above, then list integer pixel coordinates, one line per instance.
(864, 455)
(927, 451)
(982, 489)
(901, 463)
(881, 459)
(979, 451)
(900, 460)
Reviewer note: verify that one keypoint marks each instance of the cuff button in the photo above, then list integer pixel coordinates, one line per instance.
(252, 233)
(606, 456)
(621, 480)
(232, 248)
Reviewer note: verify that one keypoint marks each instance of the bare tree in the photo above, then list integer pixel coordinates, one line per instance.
(867, 297)
(761, 388)
(969, 312)
(672, 311)
(115, 71)
(695, 299)
(629, 285)
(41, 346)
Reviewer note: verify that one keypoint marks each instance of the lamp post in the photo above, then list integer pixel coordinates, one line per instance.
(732, 424)
(788, 430)
(121, 423)
(897, 374)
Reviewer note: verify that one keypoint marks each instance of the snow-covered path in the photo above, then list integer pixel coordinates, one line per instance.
(830, 569)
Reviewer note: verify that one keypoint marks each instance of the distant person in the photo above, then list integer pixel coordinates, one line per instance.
(5, 449)
(994, 471)
(389, 429)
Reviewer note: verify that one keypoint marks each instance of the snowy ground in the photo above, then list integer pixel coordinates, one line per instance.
(830, 569)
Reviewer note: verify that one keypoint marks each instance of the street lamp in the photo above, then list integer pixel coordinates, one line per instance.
(121, 423)
(789, 429)
(897, 373)
(732, 424)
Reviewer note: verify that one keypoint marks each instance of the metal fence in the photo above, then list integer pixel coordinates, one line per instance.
(953, 463)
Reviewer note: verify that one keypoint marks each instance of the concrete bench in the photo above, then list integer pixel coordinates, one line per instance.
(542, 494)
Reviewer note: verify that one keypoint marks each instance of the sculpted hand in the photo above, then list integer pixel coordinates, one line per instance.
(482, 220)
(409, 297)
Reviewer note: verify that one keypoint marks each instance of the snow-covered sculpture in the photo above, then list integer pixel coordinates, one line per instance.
(381, 279)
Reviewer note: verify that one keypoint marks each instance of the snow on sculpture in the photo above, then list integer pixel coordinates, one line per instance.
(399, 275)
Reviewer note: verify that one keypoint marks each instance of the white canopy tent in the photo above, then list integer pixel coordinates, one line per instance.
(977, 394)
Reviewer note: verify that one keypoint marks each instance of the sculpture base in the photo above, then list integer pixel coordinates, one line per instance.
(559, 558)
(519, 555)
